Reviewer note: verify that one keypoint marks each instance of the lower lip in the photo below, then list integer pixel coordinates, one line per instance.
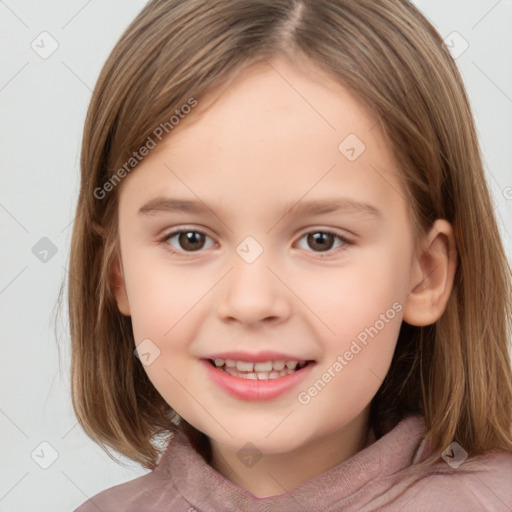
(256, 390)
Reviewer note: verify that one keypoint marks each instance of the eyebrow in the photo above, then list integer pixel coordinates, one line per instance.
(311, 207)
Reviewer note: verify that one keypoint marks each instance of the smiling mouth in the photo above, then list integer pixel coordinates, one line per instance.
(258, 371)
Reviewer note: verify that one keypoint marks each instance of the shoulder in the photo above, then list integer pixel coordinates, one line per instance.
(154, 491)
(479, 483)
(142, 493)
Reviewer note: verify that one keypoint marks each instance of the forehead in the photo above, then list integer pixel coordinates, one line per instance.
(283, 99)
(275, 134)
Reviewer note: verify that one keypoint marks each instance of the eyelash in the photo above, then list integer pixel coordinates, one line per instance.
(189, 254)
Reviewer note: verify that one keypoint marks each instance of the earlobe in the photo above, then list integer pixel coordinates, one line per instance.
(432, 279)
(118, 287)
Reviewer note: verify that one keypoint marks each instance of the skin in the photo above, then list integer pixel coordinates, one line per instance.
(260, 146)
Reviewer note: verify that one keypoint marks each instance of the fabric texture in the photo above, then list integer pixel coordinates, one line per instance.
(382, 477)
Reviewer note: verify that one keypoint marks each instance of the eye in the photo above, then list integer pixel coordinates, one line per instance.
(193, 240)
(323, 241)
(189, 240)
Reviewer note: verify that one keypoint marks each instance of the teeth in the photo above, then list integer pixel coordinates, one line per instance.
(258, 375)
(259, 371)
(267, 366)
(244, 366)
(263, 367)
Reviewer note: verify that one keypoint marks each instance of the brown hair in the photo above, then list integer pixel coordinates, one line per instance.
(457, 372)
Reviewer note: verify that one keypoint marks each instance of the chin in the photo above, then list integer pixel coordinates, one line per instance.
(268, 444)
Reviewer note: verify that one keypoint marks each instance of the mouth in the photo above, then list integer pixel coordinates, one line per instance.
(262, 370)
(270, 376)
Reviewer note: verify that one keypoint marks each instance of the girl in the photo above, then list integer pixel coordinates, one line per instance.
(337, 339)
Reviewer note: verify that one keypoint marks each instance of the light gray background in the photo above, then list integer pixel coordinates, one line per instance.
(43, 105)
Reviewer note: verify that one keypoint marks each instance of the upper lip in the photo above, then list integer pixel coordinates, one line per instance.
(257, 357)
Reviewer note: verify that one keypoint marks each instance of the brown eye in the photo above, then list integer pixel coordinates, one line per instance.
(187, 241)
(321, 241)
(191, 240)
(324, 241)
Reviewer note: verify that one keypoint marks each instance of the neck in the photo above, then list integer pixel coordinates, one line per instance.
(277, 473)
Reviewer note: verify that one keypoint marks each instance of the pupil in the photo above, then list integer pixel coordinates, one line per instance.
(323, 240)
(189, 240)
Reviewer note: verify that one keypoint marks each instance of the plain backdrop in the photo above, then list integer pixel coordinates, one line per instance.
(47, 463)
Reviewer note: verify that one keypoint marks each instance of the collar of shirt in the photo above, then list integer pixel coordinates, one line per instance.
(207, 489)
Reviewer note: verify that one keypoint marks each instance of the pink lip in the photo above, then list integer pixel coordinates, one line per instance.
(259, 357)
(255, 390)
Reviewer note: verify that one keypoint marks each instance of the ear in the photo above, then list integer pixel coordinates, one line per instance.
(118, 286)
(432, 276)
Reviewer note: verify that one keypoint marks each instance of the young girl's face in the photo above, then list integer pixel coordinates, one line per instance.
(266, 274)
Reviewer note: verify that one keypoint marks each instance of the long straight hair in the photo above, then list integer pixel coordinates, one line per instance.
(456, 373)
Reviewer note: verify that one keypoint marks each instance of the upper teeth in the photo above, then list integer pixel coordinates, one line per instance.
(267, 366)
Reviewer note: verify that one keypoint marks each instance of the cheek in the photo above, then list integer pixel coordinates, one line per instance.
(161, 297)
(163, 305)
(361, 308)
(356, 362)
(354, 296)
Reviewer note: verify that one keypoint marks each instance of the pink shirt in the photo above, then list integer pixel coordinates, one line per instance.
(377, 478)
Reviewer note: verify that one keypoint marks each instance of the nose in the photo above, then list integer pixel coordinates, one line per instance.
(253, 294)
